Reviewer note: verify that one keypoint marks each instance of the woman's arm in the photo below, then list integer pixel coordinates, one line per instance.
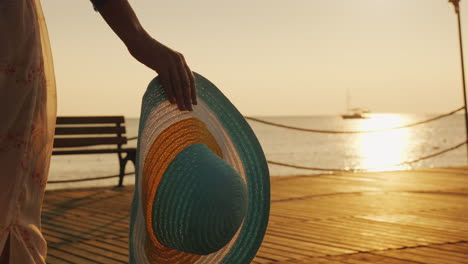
(176, 77)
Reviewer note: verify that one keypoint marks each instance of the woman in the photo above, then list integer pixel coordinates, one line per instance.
(28, 111)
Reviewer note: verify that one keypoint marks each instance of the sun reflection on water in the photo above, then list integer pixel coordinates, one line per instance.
(380, 151)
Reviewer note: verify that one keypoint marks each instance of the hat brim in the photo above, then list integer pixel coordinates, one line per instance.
(241, 150)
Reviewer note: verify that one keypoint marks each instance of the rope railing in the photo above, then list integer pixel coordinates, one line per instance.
(297, 166)
(368, 169)
(344, 131)
(89, 179)
(318, 131)
(353, 132)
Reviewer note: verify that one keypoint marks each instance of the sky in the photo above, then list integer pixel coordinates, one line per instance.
(269, 57)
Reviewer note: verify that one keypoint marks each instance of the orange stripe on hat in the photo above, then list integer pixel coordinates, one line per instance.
(163, 150)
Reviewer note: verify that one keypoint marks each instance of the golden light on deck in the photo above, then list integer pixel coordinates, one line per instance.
(380, 150)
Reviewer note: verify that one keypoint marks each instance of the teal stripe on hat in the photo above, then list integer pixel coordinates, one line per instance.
(200, 203)
(256, 169)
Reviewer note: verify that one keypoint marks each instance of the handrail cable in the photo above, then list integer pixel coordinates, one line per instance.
(345, 132)
(352, 132)
(367, 169)
(292, 166)
(90, 179)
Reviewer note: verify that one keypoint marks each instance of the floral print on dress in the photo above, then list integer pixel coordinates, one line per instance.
(39, 179)
(12, 141)
(17, 140)
(29, 75)
(8, 69)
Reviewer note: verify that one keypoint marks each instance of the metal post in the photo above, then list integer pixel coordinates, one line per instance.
(456, 3)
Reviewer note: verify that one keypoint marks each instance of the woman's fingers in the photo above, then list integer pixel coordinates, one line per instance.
(166, 82)
(185, 82)
(177, 87)
(193, 89)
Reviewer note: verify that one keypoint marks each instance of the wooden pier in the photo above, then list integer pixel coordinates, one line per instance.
(418, 216)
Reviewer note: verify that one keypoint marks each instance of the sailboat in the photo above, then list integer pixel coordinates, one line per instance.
(354, 113)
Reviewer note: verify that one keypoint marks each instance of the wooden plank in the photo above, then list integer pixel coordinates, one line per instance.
(89, 130)
(84, 142)
(56, 260)
(62, 120)
(457, 248)
(422, 255)
(107, 255)
(362, 258)
(263, 260)
(88, 254)
(311, 247)
(85, 231)
(286, 248)
(445, 256)
(315, 261)
(71, 255)
(119, 221)
(329, 237)
(111, 246)
(273, 255)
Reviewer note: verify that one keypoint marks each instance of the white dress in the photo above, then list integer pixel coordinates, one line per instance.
(27, 124)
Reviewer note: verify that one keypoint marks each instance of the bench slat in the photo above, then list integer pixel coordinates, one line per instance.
(61, 120)
(83, 142)
(88, 130)
(92, 151)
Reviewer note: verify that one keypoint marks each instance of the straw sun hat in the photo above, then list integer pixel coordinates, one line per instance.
(202, 191)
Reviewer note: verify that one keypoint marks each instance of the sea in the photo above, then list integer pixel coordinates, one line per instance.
(425, 145)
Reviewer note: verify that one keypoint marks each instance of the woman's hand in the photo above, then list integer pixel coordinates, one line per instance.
(176, 77)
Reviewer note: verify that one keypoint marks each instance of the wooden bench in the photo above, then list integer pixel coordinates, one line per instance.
(78, 135)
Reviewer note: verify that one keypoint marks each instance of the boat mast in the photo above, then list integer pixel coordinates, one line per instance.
(348, 99)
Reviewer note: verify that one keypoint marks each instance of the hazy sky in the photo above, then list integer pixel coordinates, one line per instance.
(269, 57)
